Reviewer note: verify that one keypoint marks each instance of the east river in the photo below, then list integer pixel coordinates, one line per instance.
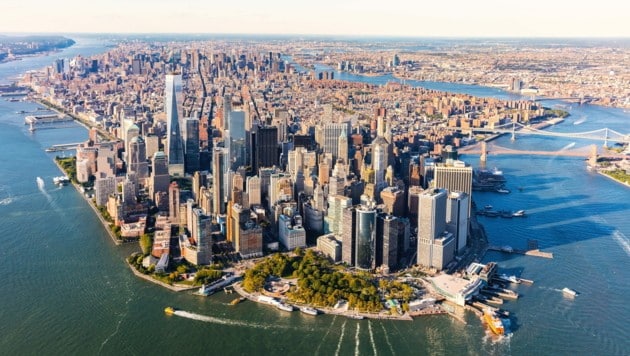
(65, 288)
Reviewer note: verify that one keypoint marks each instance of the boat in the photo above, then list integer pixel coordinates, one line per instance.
(569, 292)
(284, 306)
(237, 300)
(519, 213)
(488, 207)
(356, 316)
(169, 310)
(61, 180)
(309, 310)
(494, 323)
(503, 191)
(511, 279)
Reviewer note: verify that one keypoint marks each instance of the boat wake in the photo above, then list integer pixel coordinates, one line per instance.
(42, 188)
(580, 121)
(567, 146)
(7, 201)
(210, 319)
(343, 330)
(622, 240)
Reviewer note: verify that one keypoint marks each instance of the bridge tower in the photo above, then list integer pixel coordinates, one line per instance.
(606, 138)
(484, 152)
(513, 130)
(592, 159)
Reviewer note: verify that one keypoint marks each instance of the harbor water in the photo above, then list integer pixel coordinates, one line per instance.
(66, 288)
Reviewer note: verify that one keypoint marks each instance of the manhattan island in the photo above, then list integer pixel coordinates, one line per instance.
(224, 153)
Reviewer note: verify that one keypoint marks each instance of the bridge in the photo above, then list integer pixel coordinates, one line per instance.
(580, 100)
(590, 152)
(63, 147)
(606, 135)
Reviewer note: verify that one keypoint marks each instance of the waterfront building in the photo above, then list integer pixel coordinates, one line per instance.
(191, 145)
(457, 220)
(348, 236)
(334, 221)
(365, 251)
(456, 290)
(387, 237)
(329, 246)
(198, 248)
(291, 234)
(244, 233)
(454, 176)
(174, 117)
(436, 246)
(104, 187)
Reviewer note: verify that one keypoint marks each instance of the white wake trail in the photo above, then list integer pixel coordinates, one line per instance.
(622, 240)
(343, 330)
(210, 319)
(356, 339)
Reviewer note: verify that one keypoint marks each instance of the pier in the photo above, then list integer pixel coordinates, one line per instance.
(533, 252)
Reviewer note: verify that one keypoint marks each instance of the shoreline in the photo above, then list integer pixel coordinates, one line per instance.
(625, 184)
(174, 288)
(104, 222)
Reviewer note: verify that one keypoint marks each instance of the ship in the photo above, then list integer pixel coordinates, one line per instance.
(309, 311)
(519, 213)
(494, 323)
(356, 316)
(237, 300)
(169, 310)
(569, 292)
(503, 191)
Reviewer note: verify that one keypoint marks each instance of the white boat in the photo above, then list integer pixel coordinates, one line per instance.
(309, 310)
(569, 292)
(356, 316)
(61, 180)
(284, 306)
(519, 213)
(511, 279)
(503, 191)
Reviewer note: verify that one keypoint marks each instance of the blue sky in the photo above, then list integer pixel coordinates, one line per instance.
(527, 18)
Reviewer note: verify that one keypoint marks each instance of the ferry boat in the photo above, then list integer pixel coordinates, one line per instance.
(569, 292)
(356, 316)
(169, 310)
(309, 310)
(503, 191)
(494, 323)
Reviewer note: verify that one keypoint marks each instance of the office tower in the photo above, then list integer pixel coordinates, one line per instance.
(331, 133)
(291, 234)
(333, 221)
(427, 170)
(280, 188)
(380, 148)
(152, 144)
(253, 191)
(454, 176)
(457, 218)
(200, 179)
(394, 201)
(235, 140)
(137, 159)
(227, 108)
(266, 147)
(413, 204)
(313, 218)
(329, 246)
(199, 252)
(281, 121)
(130, 130)
(342, 147)
(174, 117)
(245, 235)
(236, 194)
(218, 181)
(159, 179)
(436, 247)
(103, 188)
(129, 191)
(348, 235)
(191, 145)
(365, 237)
(319, 199)
(387, 237)
(173, 203)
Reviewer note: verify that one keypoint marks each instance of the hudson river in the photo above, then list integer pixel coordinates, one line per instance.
(66, 289)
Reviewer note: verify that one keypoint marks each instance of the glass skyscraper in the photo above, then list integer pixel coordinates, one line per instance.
(174, 114)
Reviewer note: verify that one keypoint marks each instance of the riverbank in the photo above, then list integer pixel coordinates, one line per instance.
(89, 201)
(85, 123)
(174, 288)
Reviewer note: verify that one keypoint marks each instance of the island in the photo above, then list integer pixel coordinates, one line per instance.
(16, 47)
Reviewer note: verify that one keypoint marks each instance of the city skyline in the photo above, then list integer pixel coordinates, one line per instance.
(493, 18)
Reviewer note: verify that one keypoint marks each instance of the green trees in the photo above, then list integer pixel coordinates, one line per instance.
(206, 276)
(146, 243)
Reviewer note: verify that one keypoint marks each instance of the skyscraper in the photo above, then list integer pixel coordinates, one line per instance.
(264, 139)
(191, 146)
(365, 237)
(387, 241)
(457, 218)
(159, 179)
(218, 181)
(137, 159)
(436, 247)
(235, 140)
(454, 176)
(174, 115)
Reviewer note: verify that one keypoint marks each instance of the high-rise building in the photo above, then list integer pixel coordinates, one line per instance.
(137, 158)
(331, 133)
(218, 181)
(291, 234)
(103, 188)
(348, 235)
(266, 147)
(457, 218)
(454, 176)
(191, 145)
(333, 221)
(235, 140)
(253, 191)
(246, 236)
(387, 237)
(394, 201)
(436, 246)
(173, 203)
(174, 117)
(159, 179)
(365, 238)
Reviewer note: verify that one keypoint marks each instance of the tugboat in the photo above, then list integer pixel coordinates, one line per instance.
(169, 310)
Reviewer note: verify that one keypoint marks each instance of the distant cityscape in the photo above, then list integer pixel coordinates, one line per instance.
(216, 153)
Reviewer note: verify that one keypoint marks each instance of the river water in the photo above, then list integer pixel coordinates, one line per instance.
(66, 289)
